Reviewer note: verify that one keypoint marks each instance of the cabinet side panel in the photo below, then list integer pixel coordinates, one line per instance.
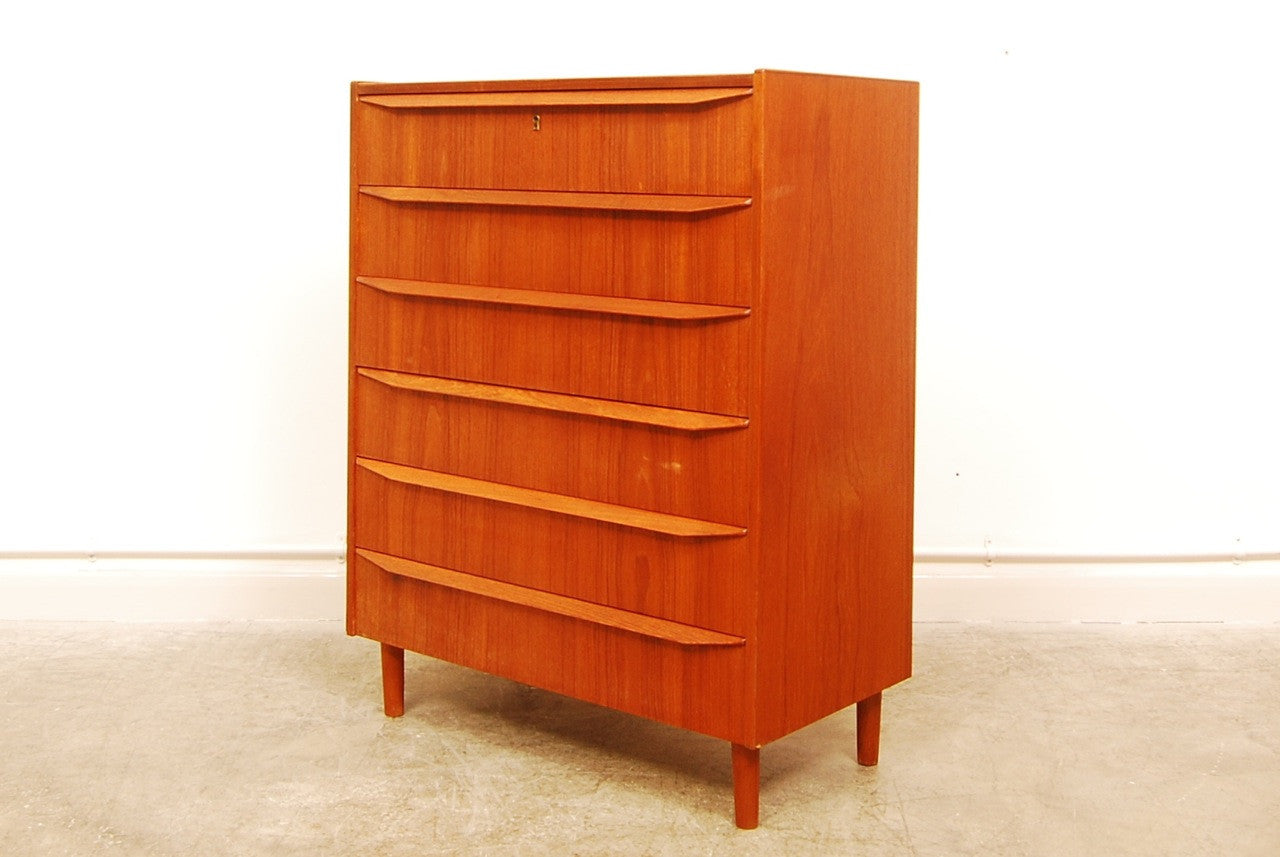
(837, 316)
(352, 262)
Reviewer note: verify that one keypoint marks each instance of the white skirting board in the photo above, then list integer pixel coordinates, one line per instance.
(178, 586)
(309, 584)
(1098, 591)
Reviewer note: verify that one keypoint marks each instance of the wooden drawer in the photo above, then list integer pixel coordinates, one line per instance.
(691, 140)
(681, 569)
(654, 255)
(679, 462)
(696, 683)
(694, 364)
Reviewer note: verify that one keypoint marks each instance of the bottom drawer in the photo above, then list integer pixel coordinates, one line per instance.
(696, 683)
(699, 580)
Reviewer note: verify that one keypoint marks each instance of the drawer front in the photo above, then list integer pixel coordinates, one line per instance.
(692, 365)
(537, 144)
(699, 258)
(694, 574)
(692, 465)
(699, 687)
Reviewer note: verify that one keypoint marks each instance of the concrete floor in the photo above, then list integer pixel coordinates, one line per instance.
(267, 739)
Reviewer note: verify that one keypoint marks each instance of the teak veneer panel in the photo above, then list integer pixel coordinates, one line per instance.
(689, 464)
(362, 88)
(623, 411)
(632, 367)
(695, 685)
(670, 364)
(575, 608)
(538, 142)
(559, 98)
(609, 513)
(706, 259)
(631, 202)
(665, 310)
(695, 581)
(836, 409)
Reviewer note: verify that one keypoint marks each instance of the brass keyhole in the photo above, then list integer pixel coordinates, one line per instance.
(537, 122)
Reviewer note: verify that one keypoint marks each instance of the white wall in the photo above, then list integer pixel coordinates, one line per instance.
(1098, 279)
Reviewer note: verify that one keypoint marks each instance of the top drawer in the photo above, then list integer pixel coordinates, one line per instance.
(695, 140)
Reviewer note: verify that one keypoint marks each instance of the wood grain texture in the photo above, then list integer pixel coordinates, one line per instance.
(579, 507)
(660, 310)
(694, 687)
(356, 259)
(693, 259)
(868, 726)
(572, 442)
(672, 418)
(836, 314)
(695, 581)
(633, 202)
(693, 367)
(392, 680)
(577, 84)
(574, 608)
(557, 98)
(690, 469)
(690, 149)
(746, 786)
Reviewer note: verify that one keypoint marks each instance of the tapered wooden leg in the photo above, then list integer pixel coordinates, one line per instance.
(392, 680)
(869, 730)
(746, 786)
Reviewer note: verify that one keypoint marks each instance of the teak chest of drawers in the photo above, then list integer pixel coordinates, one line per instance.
(632, 393)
